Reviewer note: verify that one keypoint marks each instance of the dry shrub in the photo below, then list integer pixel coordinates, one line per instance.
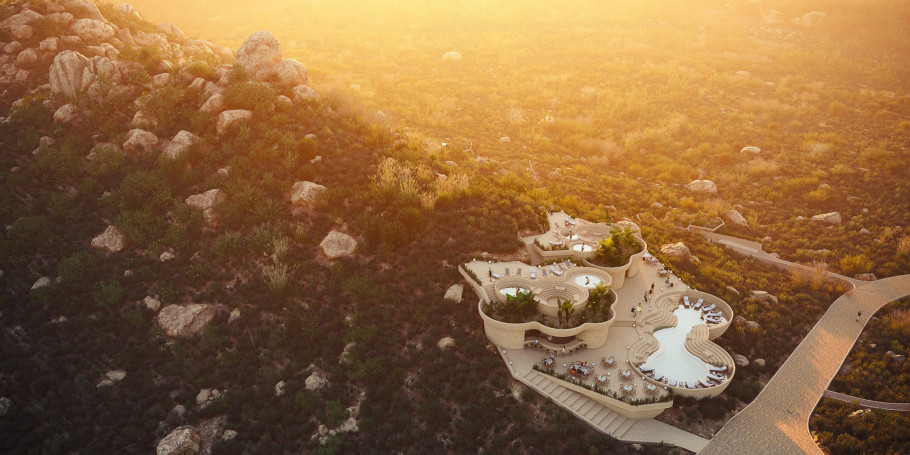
(899, 321)
(761, 166)
(716, 206)
(903, 245)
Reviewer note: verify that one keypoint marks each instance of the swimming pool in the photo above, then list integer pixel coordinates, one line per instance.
(672, 359)
(587, 281)
(514, 290)
(582, 247)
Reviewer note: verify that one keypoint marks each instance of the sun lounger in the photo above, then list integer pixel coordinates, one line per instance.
(673, 383)
(507, 272)
(698, 305)
(496, 276)
(659, 377)
(518, 272)
(533, 273)
(555, 272)
(703, 383)
(721, 368)
(543, 272)
(645, 369)
(708, 309)
(700, 301)
(686, 301)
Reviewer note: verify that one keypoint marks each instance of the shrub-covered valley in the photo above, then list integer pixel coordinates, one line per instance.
(315, 229)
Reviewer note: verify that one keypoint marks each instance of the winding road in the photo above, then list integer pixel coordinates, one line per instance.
(777, 421)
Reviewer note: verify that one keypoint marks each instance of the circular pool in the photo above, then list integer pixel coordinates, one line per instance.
(672, 359)
(587, 281)
(514, 290)
(583, 247)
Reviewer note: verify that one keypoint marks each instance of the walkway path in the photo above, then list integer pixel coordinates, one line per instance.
(777, 421)
(900, 407)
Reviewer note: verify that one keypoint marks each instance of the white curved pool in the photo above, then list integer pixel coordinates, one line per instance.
(587, 281)
(513, 290)
(582, 247)
(672, 359)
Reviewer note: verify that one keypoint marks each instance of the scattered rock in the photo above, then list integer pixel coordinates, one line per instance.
(279, 388)
(766, 239)
(764, 296)
(259, 55)
(160, 80)
(305, 193)
(505, 139)
(206, 396)
(740, 360)
(128, 9)
(182, 441)
(5, 404)
(702, 186)
(111, 240)
(171, 30)
(112, 377)
(228, 435)
(66, 114)
(229, 119)
(737, 219)
(139, 141)
(454, 293)
(733, 290)
(166, 256)
(657, 205)
(864, 231)
(151, 303)
(83, 8)
(28, 58)
(315, 381)
(752, 326)
(42, 282)
(303, 93)
(676, 250)
(451, 56)
(180, 144)
(185, 321)
(760, 363)
(338, 244)
(445, 343)
(49, 45)
(831, 217)
(179, 410)
(142, 121)
(235, 315)
(860, 413)
(866, 277)
(207, 202)
(750, 149)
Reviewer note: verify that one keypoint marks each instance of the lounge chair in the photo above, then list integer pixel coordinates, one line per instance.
(659, 378)
(686, 301)
(543, 272)
(720, 368)
(708, 309)
(698, 305)
(507, 272)
(673, 383)
(703, 384)
(518, 272)
(554, 271)
(533, 273)
(700, 301)
(645, 369)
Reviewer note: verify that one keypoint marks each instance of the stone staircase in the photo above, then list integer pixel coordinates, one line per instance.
(589, 411)
(491, 292)
(533, 256)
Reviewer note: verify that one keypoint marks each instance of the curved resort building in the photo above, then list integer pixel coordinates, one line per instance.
(611, 342)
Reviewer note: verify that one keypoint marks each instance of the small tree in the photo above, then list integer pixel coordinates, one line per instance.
(566, 310)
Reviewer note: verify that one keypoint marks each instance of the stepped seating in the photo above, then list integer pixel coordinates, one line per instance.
(644, 347)
(589, 411)
(700, 346)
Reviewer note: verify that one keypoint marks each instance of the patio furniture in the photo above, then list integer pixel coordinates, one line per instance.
(686, 301)
(602, 378)
(698, 305)
(645, 369)
(673, 383)
(543, 273)
(720, 368)
(703, 383)
(651, 388)
(518, 272)
(659, 378)
(533, 273)
(708, 309)
(507, 272)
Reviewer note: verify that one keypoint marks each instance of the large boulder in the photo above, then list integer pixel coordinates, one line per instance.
(41, 283)
(229, 119)
(179, 145)
(289, 73)
(171, 30)
(315, 381)
(111, 240)
(72, 72)
(185, 321)
(831, 217)
(28, 58)
(454, 293)
(677, 250)
(809, 19)
(139, 141)
(740, 360)
(92, 31)
(83, 8)
(22, 32)
(24, 18)
(338, 244)
(207, 202)
(451, 56)
(702, 186)
(764, 296)
(445, 343)
(302, 94)
(128, 10)
(736, 218)
(259, 54)
(213, 105)
(305, 193)
(182, 441)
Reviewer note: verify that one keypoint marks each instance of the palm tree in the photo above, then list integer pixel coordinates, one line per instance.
(565, 311)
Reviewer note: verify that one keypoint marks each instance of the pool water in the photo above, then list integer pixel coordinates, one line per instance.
(513, 290)
(587, 281)
(672, 359)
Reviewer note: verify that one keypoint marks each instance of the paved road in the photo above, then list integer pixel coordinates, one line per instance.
(777, 421)
(900, 407)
